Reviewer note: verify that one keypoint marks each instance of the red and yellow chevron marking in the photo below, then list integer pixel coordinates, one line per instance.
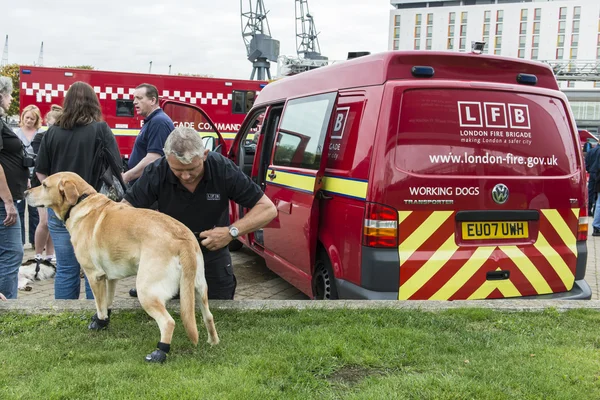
(434, 267)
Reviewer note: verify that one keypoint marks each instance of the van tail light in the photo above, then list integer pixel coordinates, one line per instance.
(582, 228)
(380, 226)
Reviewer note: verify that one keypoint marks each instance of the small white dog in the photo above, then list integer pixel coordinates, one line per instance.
(34, 270)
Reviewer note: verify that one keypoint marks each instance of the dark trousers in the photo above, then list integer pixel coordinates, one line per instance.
(34, 219)
(591, 193)
(219, 277)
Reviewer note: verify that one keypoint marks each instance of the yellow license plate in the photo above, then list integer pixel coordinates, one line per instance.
(495, 230)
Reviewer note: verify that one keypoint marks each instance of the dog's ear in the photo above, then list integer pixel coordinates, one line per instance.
(69, 191)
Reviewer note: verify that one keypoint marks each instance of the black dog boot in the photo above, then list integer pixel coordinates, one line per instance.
(160, 354)
(98, 324)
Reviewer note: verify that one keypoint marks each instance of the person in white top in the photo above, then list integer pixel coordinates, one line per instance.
(31, 122)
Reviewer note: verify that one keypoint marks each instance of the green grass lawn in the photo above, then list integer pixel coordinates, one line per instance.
(320, 354)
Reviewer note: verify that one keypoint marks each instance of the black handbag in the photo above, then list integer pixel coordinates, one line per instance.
(106, 174)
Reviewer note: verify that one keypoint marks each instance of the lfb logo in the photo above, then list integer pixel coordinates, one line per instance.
(474, 114)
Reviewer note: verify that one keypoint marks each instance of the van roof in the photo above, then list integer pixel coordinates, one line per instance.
(378, 68)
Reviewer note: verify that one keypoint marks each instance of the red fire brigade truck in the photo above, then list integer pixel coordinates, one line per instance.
(225, 101)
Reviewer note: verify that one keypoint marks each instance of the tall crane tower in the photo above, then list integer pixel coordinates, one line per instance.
(5, 53)
(307, 42)
(40, 61)
(261, 48)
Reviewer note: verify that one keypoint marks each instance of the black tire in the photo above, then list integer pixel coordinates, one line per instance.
(235, 245)
(323, 279)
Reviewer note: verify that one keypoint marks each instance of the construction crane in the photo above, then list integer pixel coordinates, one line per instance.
(307, 41)
(40, 62)
(5, 54)
(575, 70)
(261, 48)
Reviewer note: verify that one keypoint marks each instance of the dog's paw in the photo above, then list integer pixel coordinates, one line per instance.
(98, 324)
(213, 341)
(157, 356)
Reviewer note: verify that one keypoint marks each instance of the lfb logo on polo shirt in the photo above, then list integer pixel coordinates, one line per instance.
(213, 196)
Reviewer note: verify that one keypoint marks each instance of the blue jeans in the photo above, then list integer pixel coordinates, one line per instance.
(11, 255)
(34, 220)
(596, 222)
(67, 282)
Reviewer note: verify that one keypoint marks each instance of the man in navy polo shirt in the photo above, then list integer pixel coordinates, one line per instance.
(194, 186)
(151, 140)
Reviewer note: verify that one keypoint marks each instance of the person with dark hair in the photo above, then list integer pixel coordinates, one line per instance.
(13, 182)
(149, 143)
(70, 145)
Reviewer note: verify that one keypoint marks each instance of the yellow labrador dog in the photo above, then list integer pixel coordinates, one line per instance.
(113, 241)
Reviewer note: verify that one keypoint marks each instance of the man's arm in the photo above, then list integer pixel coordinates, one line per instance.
(136, 172)
(261, 214)
(6, 196)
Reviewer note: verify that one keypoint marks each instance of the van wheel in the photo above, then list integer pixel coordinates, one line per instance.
(235, 245)
(323, 280)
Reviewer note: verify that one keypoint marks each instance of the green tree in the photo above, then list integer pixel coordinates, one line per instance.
(12, 71)
(78, 66)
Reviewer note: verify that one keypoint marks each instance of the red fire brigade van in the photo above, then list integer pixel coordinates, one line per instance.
(420, 175)
(226, 100)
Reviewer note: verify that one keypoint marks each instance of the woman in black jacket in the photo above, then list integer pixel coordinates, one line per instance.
(70, 145)
(13, 182)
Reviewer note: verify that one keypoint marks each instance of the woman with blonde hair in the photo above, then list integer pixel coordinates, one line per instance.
(43, 240)
(70, 145)
(29, 126)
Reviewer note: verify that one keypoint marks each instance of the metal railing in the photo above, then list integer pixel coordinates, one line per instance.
(575, 70)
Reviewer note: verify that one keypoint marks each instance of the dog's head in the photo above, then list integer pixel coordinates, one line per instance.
(59, 191)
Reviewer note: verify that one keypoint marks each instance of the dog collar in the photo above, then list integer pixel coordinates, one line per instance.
(79, 200)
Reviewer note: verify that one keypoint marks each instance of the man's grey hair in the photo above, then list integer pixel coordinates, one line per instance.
(185, 144)
(6, 88)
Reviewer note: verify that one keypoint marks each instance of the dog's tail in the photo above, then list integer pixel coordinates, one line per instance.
(187, 291)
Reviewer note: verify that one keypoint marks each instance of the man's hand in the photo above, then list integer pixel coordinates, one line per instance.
(12, 214)
(2, 297)
(216, 238)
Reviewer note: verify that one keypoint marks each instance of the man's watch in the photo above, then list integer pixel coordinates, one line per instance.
(234, 232)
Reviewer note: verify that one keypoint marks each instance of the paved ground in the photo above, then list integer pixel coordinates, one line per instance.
(257, 282)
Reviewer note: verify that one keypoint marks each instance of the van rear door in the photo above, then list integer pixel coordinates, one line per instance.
(489, 191)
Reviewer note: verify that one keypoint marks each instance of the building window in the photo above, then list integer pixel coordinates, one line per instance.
(418, 19)
(562, 14)
(535, 41)
(428, 44)
(575, 26)
(560, 42)
(561, 26)
(537, 14)
(536, 28)
(534, 54)
(396, 45)
(451, 18)
(463, 17)
(523, 28)
(417, 31)
(574, 40)
(499, 16)
(396, 33)
(450, 44)
(429, 31)
(524, 14)
(498, 29)
(417, 44)
(522, 41)
(559, 53)
(571, 84)
(576, 12)
(397, 20)
(486, 16)
(521, 53)
(573, 53)
(498, 44)
(451, 30)
(462, 43)
(430, 19)
(486, 29)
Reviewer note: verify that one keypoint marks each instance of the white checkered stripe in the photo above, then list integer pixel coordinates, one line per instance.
(49, 92)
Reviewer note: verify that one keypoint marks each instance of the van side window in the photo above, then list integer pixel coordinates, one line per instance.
(243, 100)
(124, 108)
(302, 131)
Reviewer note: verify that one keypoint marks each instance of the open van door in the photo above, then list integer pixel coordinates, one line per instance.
(194, 117)
(293, 181)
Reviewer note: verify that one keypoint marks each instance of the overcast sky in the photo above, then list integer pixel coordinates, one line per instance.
(194, 36)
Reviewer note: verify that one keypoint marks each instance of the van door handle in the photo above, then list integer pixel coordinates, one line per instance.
(272, 175)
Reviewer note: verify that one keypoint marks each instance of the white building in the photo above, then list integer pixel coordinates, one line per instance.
(539, 29)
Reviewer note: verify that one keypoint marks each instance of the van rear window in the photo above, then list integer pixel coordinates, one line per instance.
(483, 133)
